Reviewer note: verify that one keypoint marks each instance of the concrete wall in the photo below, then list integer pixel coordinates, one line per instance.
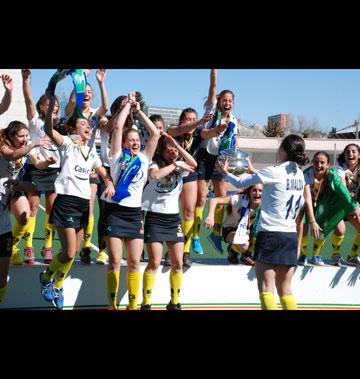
(205, 286)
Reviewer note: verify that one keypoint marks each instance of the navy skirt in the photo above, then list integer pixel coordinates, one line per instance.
(161, 227)
(278, 248)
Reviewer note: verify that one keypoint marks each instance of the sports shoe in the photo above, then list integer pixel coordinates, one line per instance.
(232, 256)
(247, 260)
(187, 262)
(16, 258)
(196, 246)
(317, 260)
(46, 288)
(29, 257)
(167, 262)
(216, 242)
(302, 261)
(336, 260)
(85, 255)
(58, 300)
(173, 307)
(102, 258)
(145, 307)
(353, 261)
(46, 253)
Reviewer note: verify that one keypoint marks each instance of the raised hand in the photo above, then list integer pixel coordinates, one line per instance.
(7, 82)
(100, 75)
(25, 73)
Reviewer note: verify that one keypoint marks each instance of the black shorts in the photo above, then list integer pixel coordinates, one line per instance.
(192, 177)
(278, 248)
(6, 241)
(122, 222)
(161, 227)
(43, 179)
(227, 230)
(70, 212)
(206, 165)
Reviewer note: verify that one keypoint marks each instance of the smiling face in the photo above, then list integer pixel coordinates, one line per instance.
(352, 156)
(255, 195)
(170, 154)
(20, 138)
(131, 141)
(88, 95)
(226, 102)
(82, 128)
(321, 165)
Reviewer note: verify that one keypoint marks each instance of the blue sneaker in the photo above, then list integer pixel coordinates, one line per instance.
(46, 288)
(58, 299)
(216, 242)
(196, 246)
(317, 261)
(302, 261)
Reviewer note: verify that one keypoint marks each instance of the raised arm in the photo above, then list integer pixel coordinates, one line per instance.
(48, 126)
(153, 132)
(117, 123)
(6, 100)
(212, 88)
(29, 102)
(105, 103)
(178, 130)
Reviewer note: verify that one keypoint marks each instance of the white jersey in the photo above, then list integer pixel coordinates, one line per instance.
(162, 196)
(136, 186)
(76, 163)
(232, 220)
(37, 131)
(212, 145)
(282, 196)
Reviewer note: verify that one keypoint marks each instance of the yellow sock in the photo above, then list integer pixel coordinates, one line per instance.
(49, 232)
(218, 220)
(133, 285)
(318, 244)
(88, 232)
(62, 272)
(304, 245)
(188, 233)
(356, 246)
(112, 280)
(17, 231)
(148, 285)
(288, 303)
(336, 242)
(53, 267)
(235, 248)
(3, 292)
(197, 221)
(29, 233)
(268, 302)
(251, 248)
(175, 285)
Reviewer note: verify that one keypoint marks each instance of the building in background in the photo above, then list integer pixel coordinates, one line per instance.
(349, 132)
(170, 115)
(280, 119)
(17, 110)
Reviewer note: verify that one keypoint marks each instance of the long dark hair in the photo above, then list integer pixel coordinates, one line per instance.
(8, 134)
(341, 158)
(294, 147)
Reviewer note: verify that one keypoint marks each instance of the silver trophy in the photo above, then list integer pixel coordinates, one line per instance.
(238, 161)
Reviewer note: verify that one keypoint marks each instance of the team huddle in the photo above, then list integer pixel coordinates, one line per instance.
(141, 173)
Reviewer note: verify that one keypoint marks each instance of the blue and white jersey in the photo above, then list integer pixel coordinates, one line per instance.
(77, 161)
(282, 196)
(136, 186)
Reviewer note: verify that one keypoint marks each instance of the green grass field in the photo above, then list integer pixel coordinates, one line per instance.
(209, 252)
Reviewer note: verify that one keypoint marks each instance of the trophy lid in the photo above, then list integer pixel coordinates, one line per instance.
(234, 153)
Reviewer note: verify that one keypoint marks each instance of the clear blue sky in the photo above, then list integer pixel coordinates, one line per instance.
(332, 97)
